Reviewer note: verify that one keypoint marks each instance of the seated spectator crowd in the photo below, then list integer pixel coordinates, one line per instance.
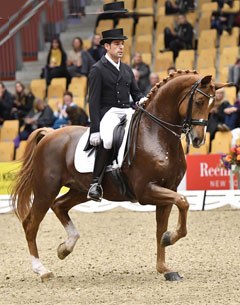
(34, 113)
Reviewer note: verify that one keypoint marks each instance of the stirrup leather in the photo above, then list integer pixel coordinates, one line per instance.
(95, 192)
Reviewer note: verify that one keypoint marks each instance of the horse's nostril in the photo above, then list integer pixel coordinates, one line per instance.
(196, 142)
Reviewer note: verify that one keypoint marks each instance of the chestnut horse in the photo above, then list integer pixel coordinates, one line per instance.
(181, 102)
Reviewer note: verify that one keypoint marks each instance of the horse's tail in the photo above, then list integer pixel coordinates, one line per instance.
(22, 188)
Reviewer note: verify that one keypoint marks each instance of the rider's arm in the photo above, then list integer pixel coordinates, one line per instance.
(95, 90)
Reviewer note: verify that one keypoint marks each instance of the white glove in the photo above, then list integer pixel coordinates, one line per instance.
(95, 139)
(142, 100)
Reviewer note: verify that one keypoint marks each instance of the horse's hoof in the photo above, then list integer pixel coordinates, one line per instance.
(172, 276)
(46, 276)
(62, 251)
(166, 239)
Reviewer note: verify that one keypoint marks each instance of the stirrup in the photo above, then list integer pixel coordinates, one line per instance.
(95, 192)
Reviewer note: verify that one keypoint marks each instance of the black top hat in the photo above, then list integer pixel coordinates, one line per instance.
(114, 34)
(114, 7)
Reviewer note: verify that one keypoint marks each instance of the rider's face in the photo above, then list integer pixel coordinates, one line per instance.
(115, 49)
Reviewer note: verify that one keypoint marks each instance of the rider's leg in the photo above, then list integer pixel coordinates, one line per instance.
(104, 151)
(102, 159)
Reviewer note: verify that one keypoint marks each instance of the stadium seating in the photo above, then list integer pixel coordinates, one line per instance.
(127, 25)
(144, 6)
(103, 25)
(9, 130)
(144, 26)
(6, 151)
(185, 60)
(221, 143)
(163, 61)
(207, 39)
(20, 150)
(143, 43)
(55, 91)
(204, 22)
(230, 94)
(61, 81)
(38, 88)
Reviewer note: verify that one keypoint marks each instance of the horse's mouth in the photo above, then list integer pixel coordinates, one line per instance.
(197, 142)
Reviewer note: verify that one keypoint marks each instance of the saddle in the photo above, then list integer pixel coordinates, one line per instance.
(118, 134)
(117, 175)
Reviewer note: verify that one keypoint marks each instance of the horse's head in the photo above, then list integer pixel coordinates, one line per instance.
(195, 106)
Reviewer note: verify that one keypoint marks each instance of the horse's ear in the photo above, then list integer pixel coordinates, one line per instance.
(221, 85)
(206, 80)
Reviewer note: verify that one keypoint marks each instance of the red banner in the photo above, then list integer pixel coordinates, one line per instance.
(204, 173)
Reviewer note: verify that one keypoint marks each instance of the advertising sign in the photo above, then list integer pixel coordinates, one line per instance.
(7, 175)
(204, 173)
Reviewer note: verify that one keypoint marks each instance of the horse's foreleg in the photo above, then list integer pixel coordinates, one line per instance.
(60, 207)
(164, 199)
(31, 226)
(162, 216)
(161, 197)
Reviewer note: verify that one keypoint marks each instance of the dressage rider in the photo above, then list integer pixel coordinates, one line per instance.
(110, 84)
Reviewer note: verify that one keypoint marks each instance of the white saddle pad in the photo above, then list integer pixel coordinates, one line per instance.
(84, 163)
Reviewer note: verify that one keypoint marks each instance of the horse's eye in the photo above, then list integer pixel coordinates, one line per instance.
(199, 103)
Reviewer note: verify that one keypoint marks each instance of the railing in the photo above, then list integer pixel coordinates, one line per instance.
(24, 27)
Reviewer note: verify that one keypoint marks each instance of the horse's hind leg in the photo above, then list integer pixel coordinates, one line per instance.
(60, 207)
(31, 225)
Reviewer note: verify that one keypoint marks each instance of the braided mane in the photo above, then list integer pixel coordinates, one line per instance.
(165, 80)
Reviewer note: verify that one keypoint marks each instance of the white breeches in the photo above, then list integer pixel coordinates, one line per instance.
(109, 122)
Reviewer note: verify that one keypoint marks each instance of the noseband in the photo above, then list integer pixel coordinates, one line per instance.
(189, 121)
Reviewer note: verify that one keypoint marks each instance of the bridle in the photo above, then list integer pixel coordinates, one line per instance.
(184, 128)
(189, 121)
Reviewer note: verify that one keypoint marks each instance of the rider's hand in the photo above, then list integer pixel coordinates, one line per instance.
(142, 100)
(95, 139)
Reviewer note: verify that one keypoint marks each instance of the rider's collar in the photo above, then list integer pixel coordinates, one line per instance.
(116, 65)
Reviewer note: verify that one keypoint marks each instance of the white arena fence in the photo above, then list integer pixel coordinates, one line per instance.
(198, 200)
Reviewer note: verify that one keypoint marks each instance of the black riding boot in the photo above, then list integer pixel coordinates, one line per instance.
(102, 159)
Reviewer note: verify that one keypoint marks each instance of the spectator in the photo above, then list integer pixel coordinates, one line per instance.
(218, 115)
(41, 115)
(180, 38)
(144, 71)
(136, 75)
(236, 22)
(222, 21)
(6, 104)
(56, 62)
(234, 73)
(178, 6)
(79, 61)
(77, 8)
(153, 80)
(77, 116)
(22, 103)
(61, 116)
(222, 2)
(96, 50)
(232, 115)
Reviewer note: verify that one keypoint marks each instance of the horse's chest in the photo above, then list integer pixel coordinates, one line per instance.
(169, 167)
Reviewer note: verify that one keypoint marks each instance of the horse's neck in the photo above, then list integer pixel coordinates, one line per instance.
(165, 107)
